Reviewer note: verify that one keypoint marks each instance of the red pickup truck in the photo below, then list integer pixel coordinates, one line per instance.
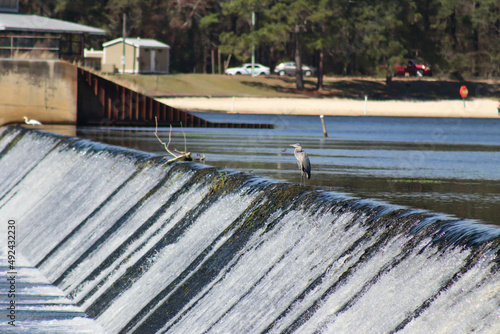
(414, 67)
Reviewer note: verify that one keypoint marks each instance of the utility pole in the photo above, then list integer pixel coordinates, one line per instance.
(124, 32)
(253, 46)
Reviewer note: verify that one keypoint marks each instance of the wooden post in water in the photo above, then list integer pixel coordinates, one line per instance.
(323, 124)
(366, 100)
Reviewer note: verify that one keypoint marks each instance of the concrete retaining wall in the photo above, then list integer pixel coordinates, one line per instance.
(45, 90)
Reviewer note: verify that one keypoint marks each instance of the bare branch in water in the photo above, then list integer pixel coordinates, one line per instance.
(185, 156)
(169, 138)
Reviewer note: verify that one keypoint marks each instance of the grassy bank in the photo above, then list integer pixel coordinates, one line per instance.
(205, 85)
(275, 86)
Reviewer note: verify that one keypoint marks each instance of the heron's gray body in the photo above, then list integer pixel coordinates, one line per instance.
(302, 161)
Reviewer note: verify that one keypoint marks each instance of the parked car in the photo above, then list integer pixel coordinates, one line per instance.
(246, 69)
(414, 67)
(288, 68)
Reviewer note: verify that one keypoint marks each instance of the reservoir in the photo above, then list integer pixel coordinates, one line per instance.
(445, 165)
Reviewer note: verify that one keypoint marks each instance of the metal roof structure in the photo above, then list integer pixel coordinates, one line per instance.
(36, 23)
(139, 43)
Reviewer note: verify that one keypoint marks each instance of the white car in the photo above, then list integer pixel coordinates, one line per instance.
(246, 69)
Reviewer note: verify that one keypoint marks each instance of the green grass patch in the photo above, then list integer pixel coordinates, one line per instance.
(204, 85)
(187, 84)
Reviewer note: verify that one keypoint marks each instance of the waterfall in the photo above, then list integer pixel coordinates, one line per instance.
(144, 247)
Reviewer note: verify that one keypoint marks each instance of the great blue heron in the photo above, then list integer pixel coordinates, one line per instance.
(302, 161)
(31, 121)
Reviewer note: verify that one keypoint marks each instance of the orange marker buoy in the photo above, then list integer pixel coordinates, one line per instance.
(464, 92)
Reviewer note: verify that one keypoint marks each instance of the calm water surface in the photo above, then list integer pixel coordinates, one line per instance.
(439, 164)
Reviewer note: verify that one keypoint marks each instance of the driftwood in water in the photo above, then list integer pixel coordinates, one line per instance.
(183, 156)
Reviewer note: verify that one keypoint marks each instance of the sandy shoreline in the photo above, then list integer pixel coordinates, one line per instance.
(482, 108)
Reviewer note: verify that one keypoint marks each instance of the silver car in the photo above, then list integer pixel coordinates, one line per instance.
(246, 69)
(288, 68)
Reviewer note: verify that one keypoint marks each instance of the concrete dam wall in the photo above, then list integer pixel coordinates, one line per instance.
(45, 90)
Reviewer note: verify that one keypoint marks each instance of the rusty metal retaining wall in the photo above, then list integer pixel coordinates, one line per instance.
(103, 102)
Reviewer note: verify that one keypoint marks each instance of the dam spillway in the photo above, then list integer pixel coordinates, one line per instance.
(144, 247)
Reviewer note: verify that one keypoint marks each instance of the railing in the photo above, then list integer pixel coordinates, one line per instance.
(13, 45)
(65, 46)
(103, 102)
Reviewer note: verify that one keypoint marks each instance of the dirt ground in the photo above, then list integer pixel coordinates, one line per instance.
(399, 88)
(477, 108)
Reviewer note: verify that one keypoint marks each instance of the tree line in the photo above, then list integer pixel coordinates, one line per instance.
(339, 37)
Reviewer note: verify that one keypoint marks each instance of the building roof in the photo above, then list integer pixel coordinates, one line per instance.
(35, 23)
(139, 42)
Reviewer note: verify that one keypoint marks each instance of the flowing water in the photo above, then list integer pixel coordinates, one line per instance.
(438, 164)
(144, 247)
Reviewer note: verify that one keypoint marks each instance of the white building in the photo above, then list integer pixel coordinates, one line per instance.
(141, 55)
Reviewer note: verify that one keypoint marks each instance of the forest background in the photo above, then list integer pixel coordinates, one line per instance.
(340, 37)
